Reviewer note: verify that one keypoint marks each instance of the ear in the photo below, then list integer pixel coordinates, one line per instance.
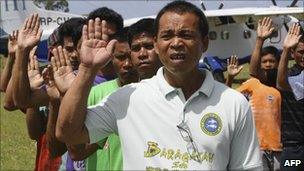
(205, 42)
(155, 45)
(292, 51)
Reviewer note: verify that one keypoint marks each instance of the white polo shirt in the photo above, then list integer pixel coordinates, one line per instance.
(145, 115)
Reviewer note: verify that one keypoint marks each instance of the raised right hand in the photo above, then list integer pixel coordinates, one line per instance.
(35, 78)
(233, 68)
(12, 42)
(293, 36)
(96, 51)
(29, 34)
(265, 28)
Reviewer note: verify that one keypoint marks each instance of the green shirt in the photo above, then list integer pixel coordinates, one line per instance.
(110, 157)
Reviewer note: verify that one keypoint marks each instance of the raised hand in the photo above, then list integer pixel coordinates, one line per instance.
(34, 75)
(293, 36)
(51, 89)
(265, 28)
(29, 34)
(233, 68)
(95, 49)
(62, 69)
(12, 42)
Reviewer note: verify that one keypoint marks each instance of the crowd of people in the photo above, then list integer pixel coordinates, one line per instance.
(133, 98)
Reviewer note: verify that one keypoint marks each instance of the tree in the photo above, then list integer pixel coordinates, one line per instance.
(56, 5)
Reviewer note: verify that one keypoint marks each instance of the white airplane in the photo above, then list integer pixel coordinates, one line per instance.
(232, 31)
(13, 14)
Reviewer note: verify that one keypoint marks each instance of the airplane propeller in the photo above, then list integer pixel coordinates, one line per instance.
(293, 3)
(204, 7)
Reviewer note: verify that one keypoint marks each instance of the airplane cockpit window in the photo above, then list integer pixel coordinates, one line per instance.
(212, 35)
(247, 34)
(225, 35)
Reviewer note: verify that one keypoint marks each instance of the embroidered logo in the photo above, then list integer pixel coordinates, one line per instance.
(211, 124)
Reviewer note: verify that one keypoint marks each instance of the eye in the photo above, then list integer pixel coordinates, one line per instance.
(135, 48)
(149, 46)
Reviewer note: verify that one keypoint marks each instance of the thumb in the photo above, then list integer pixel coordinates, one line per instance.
(110, 46)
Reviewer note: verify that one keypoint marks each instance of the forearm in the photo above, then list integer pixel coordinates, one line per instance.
(70, 125)
(7, 72)
(282, 82)
(56, 147)
(35, 123)
(22, 94)
(229, 80)
(8, 98)
(255, 61)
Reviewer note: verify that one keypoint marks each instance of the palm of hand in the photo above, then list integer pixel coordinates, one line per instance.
(12, 46)
(291, 40)
(52, 91)
(264, 31)
(233, 70)
(94, 52)
(35, 79)
(64, 77)
(28, 38)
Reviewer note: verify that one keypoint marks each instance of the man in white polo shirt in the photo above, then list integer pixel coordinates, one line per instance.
(181, 119)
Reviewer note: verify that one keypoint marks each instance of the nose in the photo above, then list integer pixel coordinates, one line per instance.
(143, 54)
(127, 64)
(176, 43)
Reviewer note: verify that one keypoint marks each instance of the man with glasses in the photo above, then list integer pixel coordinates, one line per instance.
(180, 119)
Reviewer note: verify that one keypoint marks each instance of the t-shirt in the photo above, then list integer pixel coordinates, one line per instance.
(292, 113)
(159, 129)
(110, 157)
(265, 103)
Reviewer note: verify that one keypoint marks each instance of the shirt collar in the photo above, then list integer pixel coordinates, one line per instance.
(165, 88)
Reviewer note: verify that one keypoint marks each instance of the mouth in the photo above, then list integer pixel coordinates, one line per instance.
(74, 63)
(178, 56)
(144, 63)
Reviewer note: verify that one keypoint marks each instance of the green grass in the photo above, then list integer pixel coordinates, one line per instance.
(18, 151)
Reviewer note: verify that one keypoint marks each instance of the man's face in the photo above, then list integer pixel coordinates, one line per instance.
(298, 54)
(122, 63)
(179, 43)
(269, 62)
(143, 55)
(73, 54)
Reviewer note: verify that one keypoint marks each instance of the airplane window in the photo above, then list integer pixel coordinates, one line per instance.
(225, 35)
(247, 34)
(212, 35)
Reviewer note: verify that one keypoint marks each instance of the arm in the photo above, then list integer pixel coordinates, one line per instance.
(82, 151)
(94, 54)
(233, 69)
(7, 71)
(8, 98)
(290, 42)
(264, 30)
(35, 123)
(28, 37)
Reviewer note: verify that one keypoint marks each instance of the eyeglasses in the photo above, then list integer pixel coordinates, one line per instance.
(191, 146)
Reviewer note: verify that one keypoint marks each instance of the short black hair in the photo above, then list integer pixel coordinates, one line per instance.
(109, 15)
(271, 50)
(144, 25)
(181, 7)
(121, 35)
(71, 28)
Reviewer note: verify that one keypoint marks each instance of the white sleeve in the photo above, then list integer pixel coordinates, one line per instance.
(244, 147)
(101, 121)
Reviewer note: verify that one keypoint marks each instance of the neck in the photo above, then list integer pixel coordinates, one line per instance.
(189, 83)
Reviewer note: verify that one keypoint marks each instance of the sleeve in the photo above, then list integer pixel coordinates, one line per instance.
(101, 120)
(244, 147)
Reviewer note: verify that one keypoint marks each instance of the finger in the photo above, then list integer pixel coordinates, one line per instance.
(25, 24)
(28, 26)
(45, 76)
(54, 67)
(240, 68)
(297, 30)
(56, 57)
(104, 31)
(33, 51)
(17, 34)
(292, 28)
(110, 46)
(61, 56)
(66, 57)
(14, 33)
(10, 37)
(34, 22)
(85, 32)
(236, 60)
(264, 20)
(36, 63)
(37, 23)
(228, 61)
(97, 28)
(259, 22)
(91, 29)
(32, 64)
(51, 73)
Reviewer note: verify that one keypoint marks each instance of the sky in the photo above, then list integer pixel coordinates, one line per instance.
(135, 8)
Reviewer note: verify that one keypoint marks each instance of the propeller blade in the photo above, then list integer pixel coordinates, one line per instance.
(294, 2)
(203, 6)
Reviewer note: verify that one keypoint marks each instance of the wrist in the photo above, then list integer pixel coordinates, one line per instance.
(261, 39)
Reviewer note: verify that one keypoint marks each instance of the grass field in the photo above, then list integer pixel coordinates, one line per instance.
(18, 150)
